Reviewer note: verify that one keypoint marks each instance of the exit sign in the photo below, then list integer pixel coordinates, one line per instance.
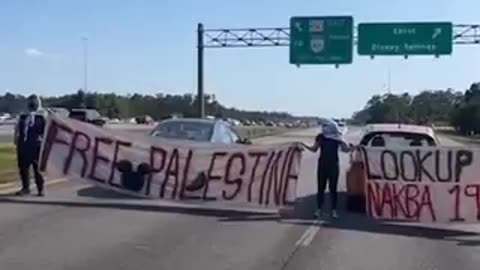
(423, 38)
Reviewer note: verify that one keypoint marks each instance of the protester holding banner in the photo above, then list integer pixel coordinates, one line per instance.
(28, 139)
(329, 141)
(263, 176)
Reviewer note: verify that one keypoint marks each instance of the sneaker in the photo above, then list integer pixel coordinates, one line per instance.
(22, 192)
(40, 193)
(318, 213)
(334, 214)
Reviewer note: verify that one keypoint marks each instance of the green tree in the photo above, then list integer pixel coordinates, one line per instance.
(466, 116)
(424, 108)
(158, 106)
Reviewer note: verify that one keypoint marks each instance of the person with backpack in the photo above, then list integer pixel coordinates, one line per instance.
(28, 138)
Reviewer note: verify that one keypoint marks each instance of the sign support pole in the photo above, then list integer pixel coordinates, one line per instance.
(200, 50)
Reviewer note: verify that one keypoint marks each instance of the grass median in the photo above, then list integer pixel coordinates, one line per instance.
(257, 132)
(8, 163)
(465, 139)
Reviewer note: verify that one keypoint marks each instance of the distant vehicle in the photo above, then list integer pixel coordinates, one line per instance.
(114, 121)
(176, 115)
(170, 116)
(233, 122)
(261, 123)
(199, 130)
(236, 122)
(144, 120)
(382, 135)
(87, 115)
(58, 111)
(270, 124)
(341, 123)
(5, 116)
(246, 122)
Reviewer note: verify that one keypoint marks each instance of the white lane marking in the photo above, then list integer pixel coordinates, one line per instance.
(310, 237)
(304, 235)
(309, 234)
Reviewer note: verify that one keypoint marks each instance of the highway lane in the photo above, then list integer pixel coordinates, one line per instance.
(6, 130)
(78, 227)
(79, 224)
(355, 242)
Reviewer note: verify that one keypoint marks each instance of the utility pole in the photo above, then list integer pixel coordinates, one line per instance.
(85, 63)
(388, 82)
(389, 91)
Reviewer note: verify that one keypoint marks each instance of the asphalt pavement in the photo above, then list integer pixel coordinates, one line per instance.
(77, 226)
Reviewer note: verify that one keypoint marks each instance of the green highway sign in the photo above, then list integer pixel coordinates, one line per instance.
(424, 38)
(321, 40)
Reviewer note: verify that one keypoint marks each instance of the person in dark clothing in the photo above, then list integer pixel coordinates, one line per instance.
(329, 142)
(28, 139)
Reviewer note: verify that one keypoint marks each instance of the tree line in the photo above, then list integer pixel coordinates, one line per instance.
(442, 107)
(136, 105)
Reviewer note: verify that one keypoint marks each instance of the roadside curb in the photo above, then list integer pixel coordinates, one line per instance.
(12, 187)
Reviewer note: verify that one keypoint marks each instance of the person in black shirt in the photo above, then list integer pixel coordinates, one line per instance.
(330, 141)
(28, 139)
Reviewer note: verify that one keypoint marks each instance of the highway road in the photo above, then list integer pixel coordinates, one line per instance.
(6, 131)
(80, 227)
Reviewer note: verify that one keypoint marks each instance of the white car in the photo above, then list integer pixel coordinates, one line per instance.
(200, 130)
(398, 135)
(382, 135)
(5, 116)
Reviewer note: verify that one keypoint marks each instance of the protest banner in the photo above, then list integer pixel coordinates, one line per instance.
(232, 175)
(423, 184)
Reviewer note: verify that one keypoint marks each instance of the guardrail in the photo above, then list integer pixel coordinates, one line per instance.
(249, 132)
(255, 132)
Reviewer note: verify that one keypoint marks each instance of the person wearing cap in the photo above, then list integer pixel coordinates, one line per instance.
(329, 141)
(28, 140)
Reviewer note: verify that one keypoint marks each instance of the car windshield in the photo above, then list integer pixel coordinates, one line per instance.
(184, 130)
(397, 139)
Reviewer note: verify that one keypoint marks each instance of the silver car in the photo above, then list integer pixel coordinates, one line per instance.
(199, 130)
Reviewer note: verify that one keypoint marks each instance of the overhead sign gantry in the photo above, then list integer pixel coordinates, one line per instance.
(328, 40)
